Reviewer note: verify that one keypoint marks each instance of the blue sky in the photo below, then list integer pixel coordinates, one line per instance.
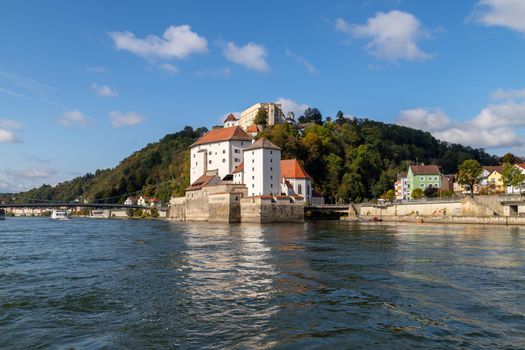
(84, 84)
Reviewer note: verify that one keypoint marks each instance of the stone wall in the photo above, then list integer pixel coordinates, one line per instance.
(413, 209)
(177, 209)
(224, 207)
(266, 209)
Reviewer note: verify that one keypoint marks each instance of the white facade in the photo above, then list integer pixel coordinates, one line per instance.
(261, 171)
(300, 187)
(275, 114)
(143, 200)
(223, 157)
(129, 201)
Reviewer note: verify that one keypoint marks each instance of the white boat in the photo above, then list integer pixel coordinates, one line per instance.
(59, 215)
(2, 214)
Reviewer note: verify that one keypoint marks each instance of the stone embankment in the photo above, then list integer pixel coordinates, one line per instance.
(478, 210)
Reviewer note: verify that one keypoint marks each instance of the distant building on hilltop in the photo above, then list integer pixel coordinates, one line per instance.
(230, 121)
(275, 114)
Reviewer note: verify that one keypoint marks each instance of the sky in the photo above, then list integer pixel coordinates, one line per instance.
(84, 84)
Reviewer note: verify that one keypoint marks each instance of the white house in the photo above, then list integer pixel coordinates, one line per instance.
(262, 168)
(130, 201)
(402, 190)
(238, 174)
(220, 149)
(230, 121)
(294, 180)
(143, 200)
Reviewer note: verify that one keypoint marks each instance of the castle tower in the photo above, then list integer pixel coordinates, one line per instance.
(262, 168)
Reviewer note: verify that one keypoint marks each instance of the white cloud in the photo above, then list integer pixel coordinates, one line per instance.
(510, 94)
(32, 173)
(393, 35)
(169, 68)
(72, 118)
(251, 55)
(7, 136)
(424, 119)
(10, 124)
(504, 13)
(303, 61)
(119, 119)
(176, 42)
(476, 137)
(289, 105)
(221, 72)
(104, 90)
(495, 126)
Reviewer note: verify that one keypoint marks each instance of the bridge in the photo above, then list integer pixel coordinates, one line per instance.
(328, 208)
(73, 205)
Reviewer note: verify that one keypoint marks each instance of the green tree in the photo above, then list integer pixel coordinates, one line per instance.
(510, 158)
(311, 115)
(261, 118)
(512, 176)
(352, 188)
(389, 195)
(417, 193)
(469, 174)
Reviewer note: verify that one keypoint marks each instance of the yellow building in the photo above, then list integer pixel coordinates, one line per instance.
(495, 181)
(275, 114)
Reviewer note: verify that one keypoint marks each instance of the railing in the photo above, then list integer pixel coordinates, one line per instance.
(518, 197)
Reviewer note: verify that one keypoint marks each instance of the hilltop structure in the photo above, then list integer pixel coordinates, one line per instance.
(235, 178)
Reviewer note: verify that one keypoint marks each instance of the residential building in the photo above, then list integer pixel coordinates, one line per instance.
(423, 176)
(401, 188)
(274, 110)
(220, 150)
(230, 121)
(262, 168)
(495, 180)
(447, 182)
(238, 174)
(294, 180)
(130, 201)
(143, 200)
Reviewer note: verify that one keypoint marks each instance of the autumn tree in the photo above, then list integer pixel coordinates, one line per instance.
(469, 174)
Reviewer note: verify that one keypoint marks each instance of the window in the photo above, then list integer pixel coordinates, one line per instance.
(253, 169)
(242, 143)
(271, 177)
(236, 159)
(209, 162)
(422, 178)
(271, 160)
(224, 160)
(253, 160)
(194, 156)
(299, 189)
(253, 177)
(253, 186)
(196, 163)
(236, 150)
(271, 169)
(271, 152)
(422, 186)
(271, 185)
(307, 189)
(223, 151)
(253, 153)
(209, 153)
(436, 185)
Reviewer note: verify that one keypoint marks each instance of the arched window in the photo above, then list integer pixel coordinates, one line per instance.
(299, 189)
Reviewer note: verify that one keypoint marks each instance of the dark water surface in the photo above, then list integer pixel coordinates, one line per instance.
(92, 284)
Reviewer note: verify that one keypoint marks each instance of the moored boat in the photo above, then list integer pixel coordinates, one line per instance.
(59, 215)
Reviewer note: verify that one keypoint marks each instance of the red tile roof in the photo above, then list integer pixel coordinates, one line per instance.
(230, 118)
(425, 169)
(201, 182)
(291, 169)
(223, 134)
(239, 168)
(521, 165)
(252, 128)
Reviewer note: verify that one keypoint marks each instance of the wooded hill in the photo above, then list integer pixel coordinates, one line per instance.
(349, 159)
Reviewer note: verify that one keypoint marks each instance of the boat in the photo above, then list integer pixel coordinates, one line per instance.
(59, 215)
(2, 214)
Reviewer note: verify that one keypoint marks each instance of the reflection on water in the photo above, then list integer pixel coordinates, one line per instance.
(146, 284)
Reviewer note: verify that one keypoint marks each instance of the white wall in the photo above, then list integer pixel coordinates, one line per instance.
(222, 156)
(262, 171)
(306, 188)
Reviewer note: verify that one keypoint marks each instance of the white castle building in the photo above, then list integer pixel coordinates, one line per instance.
(261, 170)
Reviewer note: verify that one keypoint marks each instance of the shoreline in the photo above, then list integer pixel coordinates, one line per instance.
(442, 220)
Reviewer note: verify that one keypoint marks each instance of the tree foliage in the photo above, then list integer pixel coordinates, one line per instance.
(470, 174)
(261, 118)
(417, 193)
(512, 176)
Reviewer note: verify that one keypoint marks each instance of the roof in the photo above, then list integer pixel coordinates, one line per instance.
(402, 174)
(425, 169)
(521, 165)
(490, 169)
(252, 128)
(316, 193)
(239, 168)
(223, 134)
(230, 118)
(263, 142)
(291, 169)
(201, 182)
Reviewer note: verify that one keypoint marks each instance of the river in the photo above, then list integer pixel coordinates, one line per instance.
(91, 284)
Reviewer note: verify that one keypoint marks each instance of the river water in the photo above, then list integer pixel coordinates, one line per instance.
(91, 284)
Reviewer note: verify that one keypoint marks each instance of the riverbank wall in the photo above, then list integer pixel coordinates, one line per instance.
(478, 210)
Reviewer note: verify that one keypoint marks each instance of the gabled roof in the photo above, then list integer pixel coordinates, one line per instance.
(402, 175)
(263, 142)
(230, 118)
(252, 128)
(201, 182)
(521, 165)
(291, 169)
(223, 134)
(425, 169)
(490, 169)
(239, 168)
